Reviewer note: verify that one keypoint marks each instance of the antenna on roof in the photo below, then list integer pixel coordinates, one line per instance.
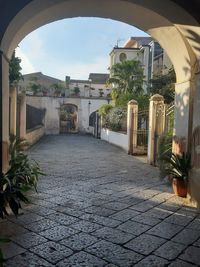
(117, 43)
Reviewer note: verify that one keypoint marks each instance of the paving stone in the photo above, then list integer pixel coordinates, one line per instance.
(86, 226)
(195, 224)
(52, 251)
(113, 235)
(114, 253)
(101, 211)
(152, 261)
(125, 215)
(27, 259)
(144, 206)
(192, 255)
(42, 210)
(11, 249)
(58, 232)
(187, 236)
(178, 218)
(134, 228)
(26, 218)
(165, 230)
(110, 265)
(62, 218)
(169, 206)
(145, 244)
(106, 221)
(44, 203)
(82, 259)
(170, 250)
(29, 240)
(142, 218)
(41, 225)
(79, 241)
(69, 211)
(180, 263)
(116, 205)
(126, 187)
(8, 229)
(197, 243)
(158, 213)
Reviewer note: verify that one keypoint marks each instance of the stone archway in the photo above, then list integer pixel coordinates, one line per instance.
(68, 118)
(166, 21)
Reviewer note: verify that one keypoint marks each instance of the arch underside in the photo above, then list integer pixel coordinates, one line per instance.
(175, 37)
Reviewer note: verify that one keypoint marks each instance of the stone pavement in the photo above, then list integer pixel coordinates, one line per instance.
(97, 206)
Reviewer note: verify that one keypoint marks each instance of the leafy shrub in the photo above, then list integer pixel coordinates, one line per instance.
(22, 176)
(164, 150)
(104, 109)
(115, 118)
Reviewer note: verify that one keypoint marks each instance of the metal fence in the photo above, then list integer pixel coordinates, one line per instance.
(142, 130)
(34, 117)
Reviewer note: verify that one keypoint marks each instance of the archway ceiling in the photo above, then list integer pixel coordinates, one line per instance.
(9, 10)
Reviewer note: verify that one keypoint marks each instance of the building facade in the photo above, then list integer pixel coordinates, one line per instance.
(153, 58)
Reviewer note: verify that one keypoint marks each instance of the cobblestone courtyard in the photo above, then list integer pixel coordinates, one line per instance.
(97, 206)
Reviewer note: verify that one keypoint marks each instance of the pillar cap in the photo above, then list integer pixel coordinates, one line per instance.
(132, 102)
(157, 97)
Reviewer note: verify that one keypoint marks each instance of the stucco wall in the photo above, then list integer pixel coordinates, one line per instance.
(52, 106)
(34, 135)
(118, 139)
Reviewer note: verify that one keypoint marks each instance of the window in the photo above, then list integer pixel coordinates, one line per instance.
(122, 57)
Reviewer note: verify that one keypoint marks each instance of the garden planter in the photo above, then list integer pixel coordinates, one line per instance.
(179, 187)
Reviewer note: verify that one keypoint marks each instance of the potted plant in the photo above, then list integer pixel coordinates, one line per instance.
(22, 176)
(178, 171)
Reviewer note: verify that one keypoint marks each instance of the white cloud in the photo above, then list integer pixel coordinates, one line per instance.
(34, 46)
(26, 65)
(79, 70)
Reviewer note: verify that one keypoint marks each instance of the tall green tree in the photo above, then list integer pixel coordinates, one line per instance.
(127, 76)
(164, 85)
(15, 69)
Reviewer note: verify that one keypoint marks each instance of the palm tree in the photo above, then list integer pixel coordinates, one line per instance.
(127, 76)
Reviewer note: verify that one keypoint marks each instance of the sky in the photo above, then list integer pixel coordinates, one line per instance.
(73, 47)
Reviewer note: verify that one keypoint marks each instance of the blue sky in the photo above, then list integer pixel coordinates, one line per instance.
(73, 47)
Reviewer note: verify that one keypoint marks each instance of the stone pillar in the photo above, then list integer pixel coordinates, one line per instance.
(22, 120)
(4, 112)
(183, 117)
(132, 125)
(13, 109)
(156, 125)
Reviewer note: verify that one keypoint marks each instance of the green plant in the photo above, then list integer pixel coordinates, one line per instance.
(22, 176)
(14, 69)
(179, 166)
(76, 90)
(127, 76)
(164, 150)
(104, 109)
(34, 85)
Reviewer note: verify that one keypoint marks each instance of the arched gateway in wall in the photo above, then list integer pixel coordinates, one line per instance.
(68, 118)
(173, 24)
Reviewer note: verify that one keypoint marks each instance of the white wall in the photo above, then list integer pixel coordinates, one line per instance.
(115, 138)
(87, 109)
(52, 106)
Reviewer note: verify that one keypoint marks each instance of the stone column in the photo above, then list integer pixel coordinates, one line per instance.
(182, 117)
(132, 125)
(22, 120)
(156, 125)
(4, 112)
(13, 109)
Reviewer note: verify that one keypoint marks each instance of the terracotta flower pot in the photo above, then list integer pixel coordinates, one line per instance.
(179, 187)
